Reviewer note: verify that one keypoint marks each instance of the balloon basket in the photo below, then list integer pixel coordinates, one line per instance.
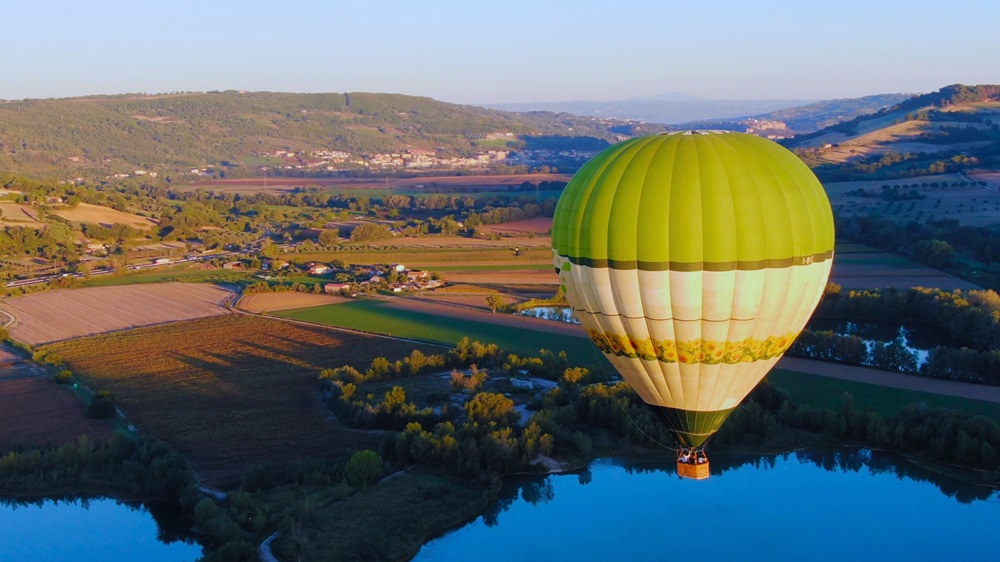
(694, 471)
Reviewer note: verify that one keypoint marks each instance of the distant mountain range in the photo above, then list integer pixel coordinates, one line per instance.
(669, 109)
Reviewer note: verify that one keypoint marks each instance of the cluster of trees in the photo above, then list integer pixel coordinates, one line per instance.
(850, 349)
(138, 467)
(970, 319)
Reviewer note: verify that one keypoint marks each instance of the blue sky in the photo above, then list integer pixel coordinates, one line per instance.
(501, 51)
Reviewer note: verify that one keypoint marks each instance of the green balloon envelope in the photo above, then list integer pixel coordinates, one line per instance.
(693, 260)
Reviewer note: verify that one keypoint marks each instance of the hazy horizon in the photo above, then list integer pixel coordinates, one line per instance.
(514, 52)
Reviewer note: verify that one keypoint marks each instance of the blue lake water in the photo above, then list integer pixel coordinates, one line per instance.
(803, 506)
(87, 531)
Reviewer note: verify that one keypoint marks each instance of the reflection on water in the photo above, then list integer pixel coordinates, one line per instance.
(92, 530)
(815, 505)
(916, 340)
(557, 313)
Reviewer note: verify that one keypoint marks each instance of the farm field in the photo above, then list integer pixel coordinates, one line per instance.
(535, 226)
(828, 392)
(856, 266)
(35, 411)
(441, 323)
(19, 215)
(269, 302)
(431, 252)
(461, 260)
(810, 382)
(52, 316)
(991, 178)
(232, 391)
(970, 205)
(408, 186)
(187, 273)
(104, 216)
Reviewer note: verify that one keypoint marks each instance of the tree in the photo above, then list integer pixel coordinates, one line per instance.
(369, 231)
(102, 406)
(935, 253)
(363, 469)
(269, 250)
(496, 302)
(487, 407)
(329, 237)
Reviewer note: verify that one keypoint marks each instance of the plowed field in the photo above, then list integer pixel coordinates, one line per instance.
(35, 411)
(233, 391)
(53, 316)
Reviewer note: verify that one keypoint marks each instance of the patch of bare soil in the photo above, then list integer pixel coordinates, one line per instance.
(35, 411)
(270, 302)
(53, 316)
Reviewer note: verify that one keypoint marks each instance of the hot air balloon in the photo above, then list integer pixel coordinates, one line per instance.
(693, 260)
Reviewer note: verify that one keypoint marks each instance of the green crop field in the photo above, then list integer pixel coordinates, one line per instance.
(827, 392)
(377, 316)
(232, 391)
(164, 275)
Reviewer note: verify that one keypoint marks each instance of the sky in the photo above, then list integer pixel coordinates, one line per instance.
(475, 52)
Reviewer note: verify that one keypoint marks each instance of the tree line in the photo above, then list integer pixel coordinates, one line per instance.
(969, 319)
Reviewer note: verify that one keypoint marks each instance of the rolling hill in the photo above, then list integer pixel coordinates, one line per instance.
(955, 129)
(172, 133)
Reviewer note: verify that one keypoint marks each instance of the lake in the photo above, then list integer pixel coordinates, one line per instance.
(94, 530)
(801, 506)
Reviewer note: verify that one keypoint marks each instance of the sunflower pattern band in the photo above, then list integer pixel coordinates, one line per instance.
(707, 352)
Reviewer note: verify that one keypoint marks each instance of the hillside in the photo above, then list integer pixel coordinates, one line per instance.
(955, 129)
(237, 131)
(668, 109)
(803, 119)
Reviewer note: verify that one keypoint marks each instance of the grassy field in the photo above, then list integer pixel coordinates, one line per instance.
(826, 392)
(856, 266)
(372, 315)
(233, 391)
(185, 273)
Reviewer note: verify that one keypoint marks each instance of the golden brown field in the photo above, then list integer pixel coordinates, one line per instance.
(52, 316)
(20, 215)
(104, 216)
(269, 302)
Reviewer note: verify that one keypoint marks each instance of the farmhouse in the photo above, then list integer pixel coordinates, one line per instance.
(335, 287)
(318, 269)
